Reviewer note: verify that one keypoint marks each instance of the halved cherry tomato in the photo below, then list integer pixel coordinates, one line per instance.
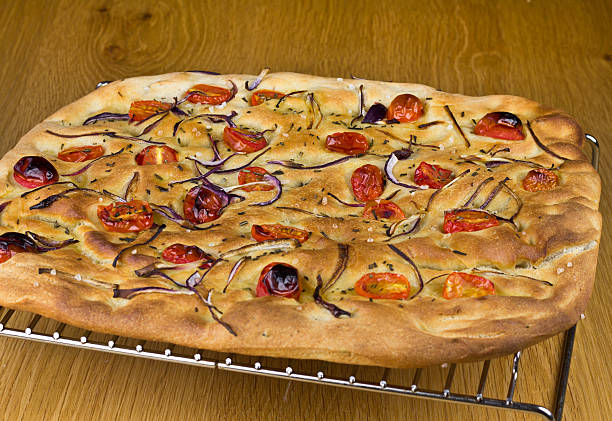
(540, 179)
(141, 110)
(279, 279)
(203, 204)
(81, 153)
(132, 216)
(500, 125)
(276, 231)
(367, 182)
(432, 176)
(181, 253)
(468, 220)
(12, 243)
(34, 171)
(155, 155)
(253, 175)
(259, 97)
(383, 209)
(240, 140)
(460, 284)
(208, 94)
(349, 143)
(405, 108)
(386, 286)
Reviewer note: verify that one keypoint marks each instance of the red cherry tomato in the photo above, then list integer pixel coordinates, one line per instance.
(141, 110)
(253, 175)
(259, 97)
(155, 155)
(468, 220)
(383, 209)
(540, 179)
(279, 279)
(387, 286)
(459, 284)
(240, 140)
(500, 125)
(203, 204)
(405, 108)
(34, 171)
(349, 143)
(367, 182)
(12, 243)
(132, 216)
(276, 231)
(208, 94)
(432, 176)
(181, 253)
(81, 153)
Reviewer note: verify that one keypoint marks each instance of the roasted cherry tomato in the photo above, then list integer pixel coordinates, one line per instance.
(12, 243)
(367, 182)
(276, 231)
(81, 153)
(155, 155)
(389, 286)
(132, 216)
(468, 220)
(259, 97)
(34, 171)
(349, 143)
(181, 253)
(432, 176)
(382, 209)
(500, 125)
(240, 140)
(279, 279)
(141, 110)
(540, 179)
(203, 204)
(208, 94)
(405, 108)
(253, 175)
(459, 284)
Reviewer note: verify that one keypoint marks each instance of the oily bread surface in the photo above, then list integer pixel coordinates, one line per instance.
(543, 267)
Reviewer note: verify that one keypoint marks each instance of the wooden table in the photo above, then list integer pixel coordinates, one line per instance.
(557, 53)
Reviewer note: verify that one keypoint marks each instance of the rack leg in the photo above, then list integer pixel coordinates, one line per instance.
(564, 371)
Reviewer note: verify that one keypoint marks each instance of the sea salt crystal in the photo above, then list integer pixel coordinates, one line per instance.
(339, 79)
(324, 201)
(370, 229)
(53, 272)
(560, 271)
(160, 132)
(100, 199)
(198, 153)
(134, 251)
(208, 127)
(570, 264)
(370, 240)
(285, 135)
(302, 116)
(441, 147)
(334, 225)
(77, 277)
(351, 86)
(582, 316)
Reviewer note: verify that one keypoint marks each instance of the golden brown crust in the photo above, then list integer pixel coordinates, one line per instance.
(542, 265)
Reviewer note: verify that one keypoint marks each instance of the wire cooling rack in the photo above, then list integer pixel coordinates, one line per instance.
(22, 325)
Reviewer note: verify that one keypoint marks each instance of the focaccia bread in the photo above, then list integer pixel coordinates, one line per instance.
(298, 216)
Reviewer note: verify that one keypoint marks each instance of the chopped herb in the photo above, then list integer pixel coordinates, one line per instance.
(459, 252)
(127, 239)
(159, 177)
(372, 265)
(160, 188)
(244, 223)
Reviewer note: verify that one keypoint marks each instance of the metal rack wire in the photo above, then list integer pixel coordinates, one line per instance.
(33, 327)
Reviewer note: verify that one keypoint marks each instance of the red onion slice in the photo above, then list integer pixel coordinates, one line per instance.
(106, 117)
(254, 84)
(414, 266)
(279, 190)
(129, 293)
(297, 166)
(399, 155)
(376, 113)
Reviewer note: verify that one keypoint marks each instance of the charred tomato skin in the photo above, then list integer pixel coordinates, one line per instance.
(390, 286)
(180, 253)
(34, 171)
(405, 108)
(141, 110)
(384, 209)
(367, 182)
(500, 125)
(156, 155)
(266, 232)
(454, 286)
(252, 175)
(202, 204)
(12, 243)
(260, 96)
(81, 153)
(432, 176)
(240, 140)
(348, 143)
(540, 179)
(208, 94)
(279, 279)
(133, 216)
(468, 220)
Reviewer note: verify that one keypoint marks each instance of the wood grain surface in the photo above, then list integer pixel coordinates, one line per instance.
(556, 52)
